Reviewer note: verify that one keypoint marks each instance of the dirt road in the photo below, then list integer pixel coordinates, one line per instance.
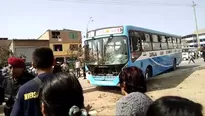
(187, 83)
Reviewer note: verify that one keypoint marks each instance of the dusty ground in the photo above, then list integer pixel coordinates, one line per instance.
(187, 83)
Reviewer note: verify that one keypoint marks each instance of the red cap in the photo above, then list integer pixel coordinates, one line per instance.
(16, 62)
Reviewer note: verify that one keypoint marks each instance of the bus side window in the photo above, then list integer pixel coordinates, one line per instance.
(146, 43)
(178, 43)
(170, 42)
(174, 42)
(163, 42)
(135, 41)
(135, 44)
(156, 42)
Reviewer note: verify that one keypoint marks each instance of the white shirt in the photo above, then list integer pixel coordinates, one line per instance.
(77, 64)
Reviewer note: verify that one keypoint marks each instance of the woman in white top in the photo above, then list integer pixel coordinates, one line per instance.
(77, 67)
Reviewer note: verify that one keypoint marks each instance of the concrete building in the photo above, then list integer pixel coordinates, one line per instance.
(4, 50)
(190, 41)
(3, 38)
(62, 42)
(4, 42)
(26, 47)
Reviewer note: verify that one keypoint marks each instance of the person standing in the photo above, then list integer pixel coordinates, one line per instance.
(133, 86)
(191, 58)
(57, 68)
(27, 101)
(77, 67)
(65, 67)
(84, 75)
(11, 83)
(203, 53)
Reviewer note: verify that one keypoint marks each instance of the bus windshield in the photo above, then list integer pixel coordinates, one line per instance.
(107, 51)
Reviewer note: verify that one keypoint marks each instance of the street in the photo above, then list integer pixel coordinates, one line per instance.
(181, 82)
(184, 66)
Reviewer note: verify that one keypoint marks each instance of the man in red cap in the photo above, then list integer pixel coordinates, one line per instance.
(11, 84)
(17, 66)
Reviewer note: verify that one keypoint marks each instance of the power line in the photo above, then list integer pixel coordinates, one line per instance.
(125, 3)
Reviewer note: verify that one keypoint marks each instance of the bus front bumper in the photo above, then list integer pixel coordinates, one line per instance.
(103, 80)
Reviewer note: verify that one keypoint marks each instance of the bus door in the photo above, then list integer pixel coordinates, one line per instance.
(135, 39)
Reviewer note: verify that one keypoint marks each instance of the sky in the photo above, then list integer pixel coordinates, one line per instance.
(23, 19)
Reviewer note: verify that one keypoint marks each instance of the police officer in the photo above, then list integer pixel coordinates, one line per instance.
(12, 82)
(27, 102)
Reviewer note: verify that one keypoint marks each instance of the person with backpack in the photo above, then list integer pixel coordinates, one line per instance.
(27, 101)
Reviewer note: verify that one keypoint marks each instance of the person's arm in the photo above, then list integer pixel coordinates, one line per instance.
(19, 104)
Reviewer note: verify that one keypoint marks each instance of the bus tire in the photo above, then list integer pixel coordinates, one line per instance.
(174, 65)
(148, 72)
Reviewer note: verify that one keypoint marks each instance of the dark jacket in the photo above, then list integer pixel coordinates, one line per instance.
(11, 86)
(27, 102)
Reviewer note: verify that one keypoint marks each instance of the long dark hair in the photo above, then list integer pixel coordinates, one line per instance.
(60, 93)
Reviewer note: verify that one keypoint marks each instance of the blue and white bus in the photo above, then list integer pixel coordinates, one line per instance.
(109, 50)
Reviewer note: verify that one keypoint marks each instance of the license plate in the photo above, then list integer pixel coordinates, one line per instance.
(104, 82)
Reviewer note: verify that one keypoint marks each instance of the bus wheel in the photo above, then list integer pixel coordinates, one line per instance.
(148, 72)
(174, 65)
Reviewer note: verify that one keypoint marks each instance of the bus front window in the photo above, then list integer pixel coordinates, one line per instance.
(110, 51)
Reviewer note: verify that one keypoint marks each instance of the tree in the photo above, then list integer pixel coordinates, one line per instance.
(4, 55)
(74, 53)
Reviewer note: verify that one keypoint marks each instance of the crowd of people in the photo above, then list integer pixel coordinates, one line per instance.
(54, 92)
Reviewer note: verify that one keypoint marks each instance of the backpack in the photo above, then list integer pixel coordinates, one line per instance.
(38, 82)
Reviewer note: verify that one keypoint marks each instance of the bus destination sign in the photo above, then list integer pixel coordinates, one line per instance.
(108, 31)
(91, 34)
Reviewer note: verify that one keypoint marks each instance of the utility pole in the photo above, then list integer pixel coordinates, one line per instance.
(197, 32)
(90, 20)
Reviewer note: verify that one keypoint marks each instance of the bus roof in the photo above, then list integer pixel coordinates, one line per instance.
(130, 27)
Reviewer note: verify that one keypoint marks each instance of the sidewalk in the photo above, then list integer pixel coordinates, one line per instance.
(199, 61)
